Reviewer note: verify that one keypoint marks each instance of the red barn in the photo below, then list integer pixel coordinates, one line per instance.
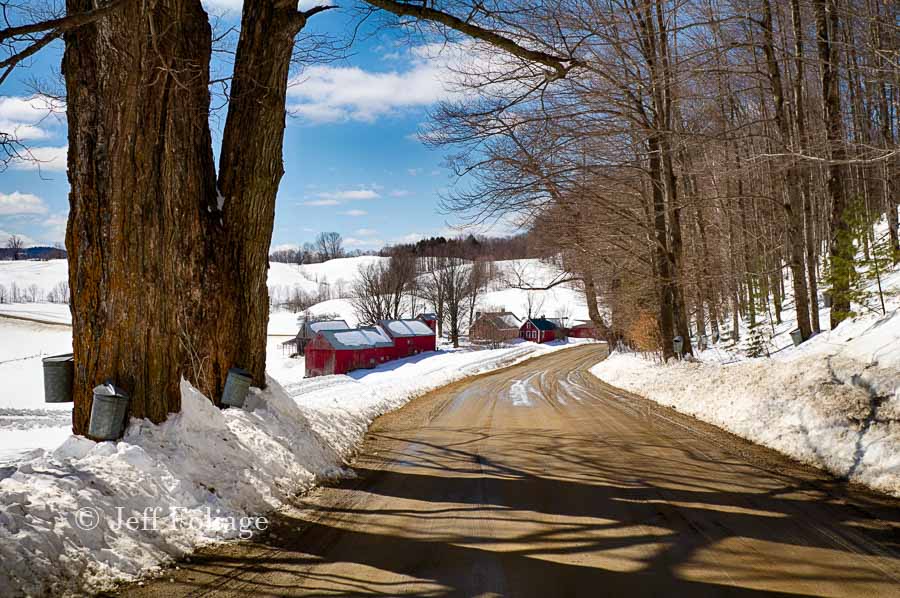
(540, 330)
(410, 336)
(430, 319)
(584, 330)
(341, 351)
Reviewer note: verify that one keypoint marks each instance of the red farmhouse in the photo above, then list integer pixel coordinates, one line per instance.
(341, 351)
(540, 330)
(409, 336)
(583, 330)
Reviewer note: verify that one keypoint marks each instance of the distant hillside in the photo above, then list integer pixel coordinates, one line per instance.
(34, 253)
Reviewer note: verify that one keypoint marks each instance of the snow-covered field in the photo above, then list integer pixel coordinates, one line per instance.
(833, 402)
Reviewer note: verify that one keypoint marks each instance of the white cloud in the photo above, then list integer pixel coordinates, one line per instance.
(26, 240)
(45, 158)
(354, 242)
(16, 203)
(413, 171)
(334, 198)
(354, 213)
(285, 247)
(325, 93)
(352, 194)
(365, 232)
(55, 226)
(31, 118)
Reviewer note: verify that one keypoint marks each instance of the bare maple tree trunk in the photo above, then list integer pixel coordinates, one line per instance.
(250, 171)
(142, 178)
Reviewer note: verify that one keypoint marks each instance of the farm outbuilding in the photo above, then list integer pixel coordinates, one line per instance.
(410, 336)
(308, 331)
(341, 351)
(584, 330)
(430, 319)
(494, 327)
(540, 330)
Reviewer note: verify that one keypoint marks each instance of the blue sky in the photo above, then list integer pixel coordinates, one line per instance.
(352, 160)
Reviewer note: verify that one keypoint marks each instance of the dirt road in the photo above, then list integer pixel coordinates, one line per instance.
(541, 481)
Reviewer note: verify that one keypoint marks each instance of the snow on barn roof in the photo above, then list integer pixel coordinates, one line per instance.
(329, 325)
(355, 338)
(511, 320)
(377, 335)
(403, 328)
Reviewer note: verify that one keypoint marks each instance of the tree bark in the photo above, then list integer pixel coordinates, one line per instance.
(250, 171)
(793, 204)
(841, 248)
(142, 177)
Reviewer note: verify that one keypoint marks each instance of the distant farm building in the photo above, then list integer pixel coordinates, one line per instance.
(410, 336)
(494, 327)
(308, 331)
(341, 351)
(430, 319)
(540, 330)
(583, 330)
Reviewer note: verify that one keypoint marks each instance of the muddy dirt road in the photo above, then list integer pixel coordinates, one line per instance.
(541, 481)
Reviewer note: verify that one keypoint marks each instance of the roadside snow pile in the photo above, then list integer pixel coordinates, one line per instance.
(833, 402)
(86, 514)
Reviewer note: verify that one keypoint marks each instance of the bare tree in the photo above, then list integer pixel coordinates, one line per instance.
(382, 289)
(330, 246)
(16, 245)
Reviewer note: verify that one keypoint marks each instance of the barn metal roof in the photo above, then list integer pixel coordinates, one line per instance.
(543, 323)
(406, 328)
(357, 338)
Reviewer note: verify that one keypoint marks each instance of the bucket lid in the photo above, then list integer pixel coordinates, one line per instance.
(240, 372)
(108, 390)
(59, 359)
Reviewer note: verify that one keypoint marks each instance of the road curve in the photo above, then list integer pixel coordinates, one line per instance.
(539, 480)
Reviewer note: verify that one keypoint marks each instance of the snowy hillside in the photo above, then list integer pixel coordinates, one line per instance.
(833, 402)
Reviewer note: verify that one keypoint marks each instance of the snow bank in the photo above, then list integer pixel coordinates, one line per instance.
(833, 402)
(86, 514)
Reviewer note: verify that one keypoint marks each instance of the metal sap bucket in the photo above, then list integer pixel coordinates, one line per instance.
(796, 336)
(59, 372)
(678, 345)
(237, 385)
(108, 411)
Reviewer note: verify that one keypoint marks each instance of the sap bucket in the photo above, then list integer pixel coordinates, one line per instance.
(678, 345)
(59, 371)
(108, 411)
(796, 336)
(237, 385)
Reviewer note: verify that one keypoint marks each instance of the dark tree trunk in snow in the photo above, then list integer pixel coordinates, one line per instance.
(250, 172)
(142, 178)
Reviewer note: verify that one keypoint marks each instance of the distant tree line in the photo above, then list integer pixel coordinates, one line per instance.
(15, 249)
